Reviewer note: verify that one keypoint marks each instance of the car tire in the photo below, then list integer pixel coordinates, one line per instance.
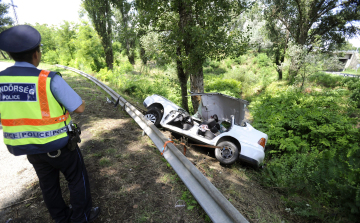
(227, 156)
(154, 115)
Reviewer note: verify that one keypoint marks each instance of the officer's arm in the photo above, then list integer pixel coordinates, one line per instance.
(81, 108)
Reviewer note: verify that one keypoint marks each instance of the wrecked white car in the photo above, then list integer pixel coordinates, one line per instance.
(219, 122)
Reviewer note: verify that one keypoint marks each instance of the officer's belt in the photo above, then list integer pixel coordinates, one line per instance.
(40, 135)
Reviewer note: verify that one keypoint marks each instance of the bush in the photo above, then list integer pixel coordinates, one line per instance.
(214, 64)
(313, 147)
(238, 60)
(226, 86)
(355, 96)
(262, 60)
(228, 63)
(327, 80)
(51, 57)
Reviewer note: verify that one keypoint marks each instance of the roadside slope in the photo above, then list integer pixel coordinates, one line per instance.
(130, 180)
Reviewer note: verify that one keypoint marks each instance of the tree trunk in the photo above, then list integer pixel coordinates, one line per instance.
(183, 78)
(194, 66)
(143, 56)
(109, 58)
(100, 14)
(142, 50)
(280, 73)
(279, 59)
(197, 85)
(131, 56)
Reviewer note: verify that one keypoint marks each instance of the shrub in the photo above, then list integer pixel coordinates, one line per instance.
(51, 57)
(326, 80)
(228, 63)
(226, 86)
(214, 64)
(238, 60)
(313, 147)
(355, 96)
(262, 60)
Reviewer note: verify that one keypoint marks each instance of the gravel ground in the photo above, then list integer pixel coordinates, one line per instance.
(16, 174)
(16, 171)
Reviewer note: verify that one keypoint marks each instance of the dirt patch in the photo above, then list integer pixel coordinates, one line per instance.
(132, 182)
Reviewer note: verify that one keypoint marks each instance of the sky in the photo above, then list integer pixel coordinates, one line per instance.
(54, 12)
(45, 11)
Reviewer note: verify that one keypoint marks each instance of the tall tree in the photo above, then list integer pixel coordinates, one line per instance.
(309, 22)
(100, 14)
(89, 51)
(280, 39)
(193, 30)
(66, 35)
(4, 19)
(125, 18)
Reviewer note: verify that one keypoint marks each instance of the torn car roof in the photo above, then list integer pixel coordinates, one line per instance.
(222, 105)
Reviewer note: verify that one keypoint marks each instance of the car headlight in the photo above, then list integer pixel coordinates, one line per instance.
(262, 142)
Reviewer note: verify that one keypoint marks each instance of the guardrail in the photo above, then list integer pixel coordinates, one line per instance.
(343, 74)
(217, 207)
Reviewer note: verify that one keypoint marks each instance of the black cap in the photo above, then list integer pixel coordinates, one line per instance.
(19, 39)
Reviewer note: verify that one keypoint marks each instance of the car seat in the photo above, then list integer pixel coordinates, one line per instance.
(212, 124)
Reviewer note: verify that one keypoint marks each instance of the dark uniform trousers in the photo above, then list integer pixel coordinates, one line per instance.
(71, 164)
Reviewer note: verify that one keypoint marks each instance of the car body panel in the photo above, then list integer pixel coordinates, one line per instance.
(243, 133)
(222, 105)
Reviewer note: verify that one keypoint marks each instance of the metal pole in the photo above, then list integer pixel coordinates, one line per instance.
(12, 4)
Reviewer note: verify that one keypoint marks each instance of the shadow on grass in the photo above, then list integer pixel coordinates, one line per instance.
(130, 180)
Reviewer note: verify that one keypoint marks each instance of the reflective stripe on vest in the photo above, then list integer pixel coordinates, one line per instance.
(32, 134)
(30, 118)
(44, 106)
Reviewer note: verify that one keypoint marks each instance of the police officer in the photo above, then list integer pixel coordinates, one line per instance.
(34, 107)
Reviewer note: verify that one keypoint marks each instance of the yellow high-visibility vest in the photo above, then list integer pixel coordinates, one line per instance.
(30, 115)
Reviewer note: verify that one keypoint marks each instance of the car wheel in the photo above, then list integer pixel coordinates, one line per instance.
(228, 154)
(154, 115)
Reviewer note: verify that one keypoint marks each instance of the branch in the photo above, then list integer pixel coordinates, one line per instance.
(300, 16)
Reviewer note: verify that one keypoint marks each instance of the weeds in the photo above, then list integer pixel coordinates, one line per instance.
(104, 161)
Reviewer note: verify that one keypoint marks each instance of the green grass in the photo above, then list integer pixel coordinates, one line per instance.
(97, 154)
(110, 151)
(104, 161)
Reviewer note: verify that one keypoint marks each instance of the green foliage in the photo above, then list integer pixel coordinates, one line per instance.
(104, 161)
(125, 28)
(313, 147)
(333, 81)
(254, 73)
(4, 19)
(226, 86)
(100, 13)
(48, 39)
(155, 49)
(51, 57)
(89, 53)
(66, 35)
(355, 96)
(326, 80)
(141, 86)
(321, 24)
(262, 59)
(189, 200)
(214, 64)
(76, 45)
